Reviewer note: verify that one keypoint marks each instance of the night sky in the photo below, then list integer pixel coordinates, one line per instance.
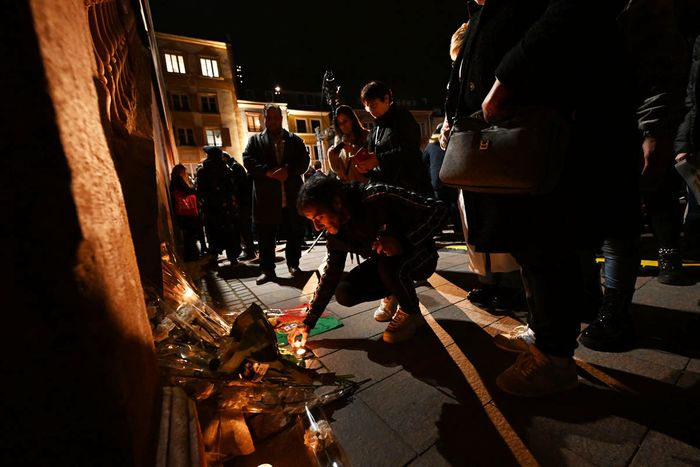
(292, 43)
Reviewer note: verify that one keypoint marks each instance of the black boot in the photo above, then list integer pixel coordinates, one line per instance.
(670, 267)
(612, 330)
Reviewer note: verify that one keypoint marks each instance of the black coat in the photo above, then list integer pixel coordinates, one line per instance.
(395, 139)
(688, 139)
(546, 54)
(258, 158)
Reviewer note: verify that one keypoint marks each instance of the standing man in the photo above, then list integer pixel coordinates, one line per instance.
(276, 159)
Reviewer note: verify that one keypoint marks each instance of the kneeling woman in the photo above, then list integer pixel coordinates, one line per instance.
(392, 227)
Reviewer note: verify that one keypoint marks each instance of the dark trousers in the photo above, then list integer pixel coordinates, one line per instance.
(245, 225)
(664, 210)
(292, 224)
(380, 276)
(189, 227)
(554, 289)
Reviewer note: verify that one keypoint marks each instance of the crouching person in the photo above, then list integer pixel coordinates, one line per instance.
(391, 227)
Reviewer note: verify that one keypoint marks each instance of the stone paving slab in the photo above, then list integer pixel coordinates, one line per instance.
(408, 406)
(367, 438)
(661, 450)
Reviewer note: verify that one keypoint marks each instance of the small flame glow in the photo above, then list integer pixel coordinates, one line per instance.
(301, 351)
(189, 293)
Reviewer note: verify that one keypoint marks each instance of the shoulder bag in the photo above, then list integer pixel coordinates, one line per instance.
(523, 154)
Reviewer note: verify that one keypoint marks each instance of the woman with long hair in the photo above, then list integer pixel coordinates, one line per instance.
(351, 137)
(184, 199)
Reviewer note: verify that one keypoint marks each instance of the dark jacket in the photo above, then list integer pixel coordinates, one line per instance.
(243, 188)
(546, 53)
(688, 138)
(395, 139)
(258, 158)
(433, 156)
(376, 208)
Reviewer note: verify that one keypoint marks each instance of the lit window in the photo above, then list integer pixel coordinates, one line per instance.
(315, 124)
(209, 104)
(180, 102)
(210, 67)
(214, 137)
(174, 63)
(185, 137)
(254, 121)
(301, 126)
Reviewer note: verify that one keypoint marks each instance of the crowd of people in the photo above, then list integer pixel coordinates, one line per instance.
(630, 92)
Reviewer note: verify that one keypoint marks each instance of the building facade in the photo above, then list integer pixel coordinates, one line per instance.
(201, 96)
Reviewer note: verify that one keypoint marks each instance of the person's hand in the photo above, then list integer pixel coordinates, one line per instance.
(494, 104)
(445, 134)
(681, 156)
(387, 245)
(280, 173)
(364, 166)
(300, 331)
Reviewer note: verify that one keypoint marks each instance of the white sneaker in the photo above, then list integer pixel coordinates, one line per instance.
(519, 339)
(402, 327)
(536, 374)
(386, 309)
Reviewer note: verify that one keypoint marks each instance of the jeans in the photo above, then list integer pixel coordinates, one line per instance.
(621, 262)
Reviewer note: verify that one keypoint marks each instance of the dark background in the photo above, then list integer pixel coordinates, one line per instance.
(292, 43)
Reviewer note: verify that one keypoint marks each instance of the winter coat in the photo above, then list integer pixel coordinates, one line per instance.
(688, 138)
(546, 53)
(258, 157)
(395, 139)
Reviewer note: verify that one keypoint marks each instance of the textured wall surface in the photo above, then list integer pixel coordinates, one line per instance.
(79, 377)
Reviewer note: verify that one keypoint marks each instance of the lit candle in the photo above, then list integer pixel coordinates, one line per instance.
(301, 351)
(189, 293)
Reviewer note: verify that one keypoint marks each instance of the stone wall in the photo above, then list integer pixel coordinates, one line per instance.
(79, 376)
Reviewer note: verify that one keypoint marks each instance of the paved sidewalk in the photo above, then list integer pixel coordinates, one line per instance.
(433, 401)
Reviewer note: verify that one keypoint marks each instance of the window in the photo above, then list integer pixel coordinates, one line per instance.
(214, 137)
(210, 67)
(180, 102)
(301, 125)
(174, 63)
(185, 137)
(315, 124)
(254, 121)
(208, 104)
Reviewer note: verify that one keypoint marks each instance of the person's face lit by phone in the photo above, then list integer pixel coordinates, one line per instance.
(344, 124)
(377, 107)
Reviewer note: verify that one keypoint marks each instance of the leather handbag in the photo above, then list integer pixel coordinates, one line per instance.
(523, 154)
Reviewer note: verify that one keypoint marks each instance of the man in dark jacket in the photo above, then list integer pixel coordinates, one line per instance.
(244, 206)
(393, 143)
(393, 228)
(276, 159)
(217, 193)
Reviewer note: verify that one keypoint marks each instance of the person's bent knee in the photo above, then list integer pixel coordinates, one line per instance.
(344, 295)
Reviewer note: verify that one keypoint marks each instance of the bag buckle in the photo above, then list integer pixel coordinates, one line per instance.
(484, 144)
